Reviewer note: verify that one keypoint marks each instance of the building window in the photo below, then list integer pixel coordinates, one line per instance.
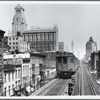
(19, 82)
(33, 68)
(16, 43)
(36, 37)
(16, 73)
(13, 47)
(13, 86)
(44, 37)
(13, 43)
(30, 37)
(12, 76)
(5, 91)
(16, 83)
(9, 43)
(19, 73)
(53, 37)
(16, 38)
(9, 38)
(0, 90)
(9, 90)
(13, 38)
(17, 47)
(40, 37)
(5, 78)
(48, 37)
(9, 77)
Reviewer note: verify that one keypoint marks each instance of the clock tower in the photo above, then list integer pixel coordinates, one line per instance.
(19, 22)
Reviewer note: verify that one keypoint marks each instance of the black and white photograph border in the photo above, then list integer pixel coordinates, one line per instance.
(50, 49)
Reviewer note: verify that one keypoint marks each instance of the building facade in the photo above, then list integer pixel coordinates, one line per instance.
(17, 73)
(17, 43)
(42, 39)
(95, 63)
(1, 61)
(38, 69)
(19, 22)
(94, 59)
(12, 79)
(91, 46)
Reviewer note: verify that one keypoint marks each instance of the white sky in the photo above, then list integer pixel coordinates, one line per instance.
(75, 22)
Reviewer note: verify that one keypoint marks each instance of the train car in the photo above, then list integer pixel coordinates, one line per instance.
(66, 62)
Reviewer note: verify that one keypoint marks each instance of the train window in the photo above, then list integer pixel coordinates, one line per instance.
(71, 60)
(59, 60)
(64, 60)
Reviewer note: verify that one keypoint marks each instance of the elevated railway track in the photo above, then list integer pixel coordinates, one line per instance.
(55, 88)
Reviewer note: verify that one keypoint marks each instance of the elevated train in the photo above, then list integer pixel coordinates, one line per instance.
(66, 62)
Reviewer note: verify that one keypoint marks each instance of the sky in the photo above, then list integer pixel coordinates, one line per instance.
(76, 22)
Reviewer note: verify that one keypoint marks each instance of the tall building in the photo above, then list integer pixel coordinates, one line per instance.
(42, 39)
(91, 46)
(18, 27)
(19, 22)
